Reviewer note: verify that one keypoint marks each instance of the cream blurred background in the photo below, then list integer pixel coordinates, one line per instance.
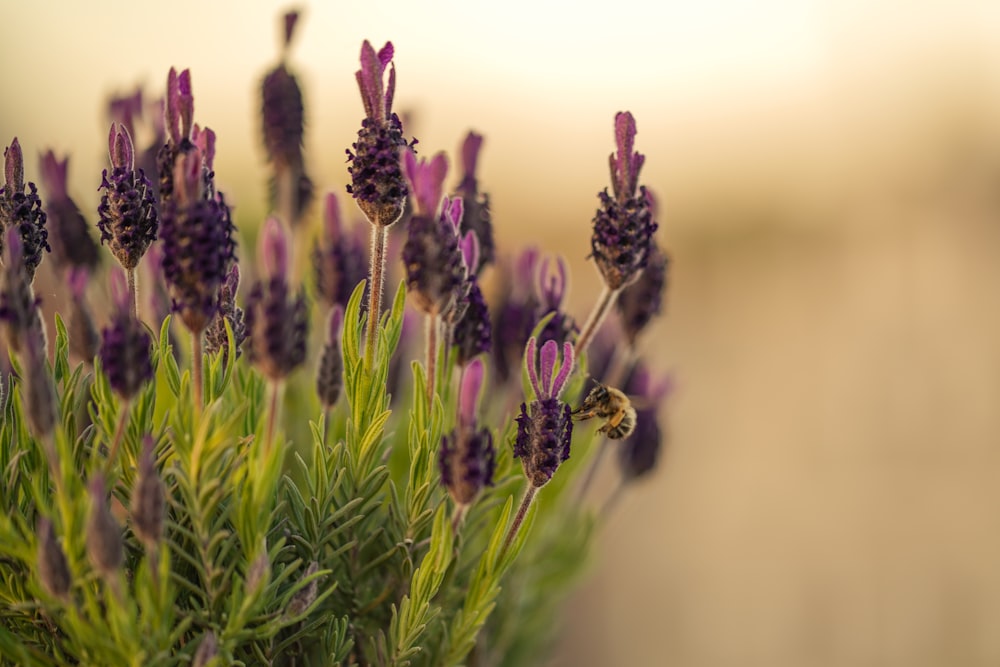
(829, 173)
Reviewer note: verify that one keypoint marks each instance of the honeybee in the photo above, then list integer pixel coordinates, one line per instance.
(611, 405)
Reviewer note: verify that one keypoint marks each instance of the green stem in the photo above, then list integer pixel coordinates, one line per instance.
(116, 441)
(432, 355)
(522, 511)
(196, 371)
(272, 417)
(377, 273)
(594, 320)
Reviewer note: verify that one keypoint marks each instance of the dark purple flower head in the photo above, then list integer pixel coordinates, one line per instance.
(340, 258)
(544, 430)
(330, 376)
(22, 211)
(640, 452)
(84, 340)
(148, 506)
(69, 233)
(128, 214)
(125, 346)
(283, 113)
(473, 333)
(216, 339)
(623, 225)
(19, 314)
(641, 301)
(198, 245)
(104, 535)
(276, 323)
(467, 458)
(435, 270)
(178, 114)
(53, 569)
(376, 178)
(515, 314)
(477, 216)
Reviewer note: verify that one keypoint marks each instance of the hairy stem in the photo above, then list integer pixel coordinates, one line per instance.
(133, 293)
(529, 495)
(595, 319)
(377, 274)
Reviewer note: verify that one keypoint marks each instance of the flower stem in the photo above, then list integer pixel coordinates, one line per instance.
(377, 274)
(133, 294)
(272, 417)
(118, 437)
(458, 517)
(196, 371)
(595, 319)
(529, 495)
(622, 362)
(432, 354)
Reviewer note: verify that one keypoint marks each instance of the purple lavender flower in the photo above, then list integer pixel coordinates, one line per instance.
(435, 271)
(53, 570)
(545, 429)
(104, 535)
(467, 458)
(283, 113)
(551, 288)
(69, 234)
(641, 301)
(340, 258)
(148, 498)
(178, 112)
(330, 377)
(275, 322)
(623, 225)
(471, 317)
(216, 339)
(83, 337)
(125, 346)
(640, 452)
(376, 179)
(477, 216)
(128, 215)
(22, 211)
(18, 306)
(198, 246)
(515, 314)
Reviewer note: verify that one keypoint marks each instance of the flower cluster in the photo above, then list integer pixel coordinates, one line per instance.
(210, 503)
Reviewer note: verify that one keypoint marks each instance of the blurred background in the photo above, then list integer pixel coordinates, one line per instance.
(828, 173)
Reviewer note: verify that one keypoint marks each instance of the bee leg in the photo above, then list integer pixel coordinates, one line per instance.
(580, 416)
(605, 427)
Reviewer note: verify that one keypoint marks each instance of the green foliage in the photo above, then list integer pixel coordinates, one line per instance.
(342, 550)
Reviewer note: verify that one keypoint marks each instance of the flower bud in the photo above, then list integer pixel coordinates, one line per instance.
(104, 535)
(53, 570)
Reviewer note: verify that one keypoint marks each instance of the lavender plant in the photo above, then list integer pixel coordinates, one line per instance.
(304, 502)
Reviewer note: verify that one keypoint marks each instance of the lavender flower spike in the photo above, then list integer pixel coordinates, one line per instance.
(178, 112)
(477, 216)
(198, 246)
(104, 535)
(18, 306)
(376, 180)
(125, 346)
(330, 377)
(53, 570)
(435, 270)
(340, 258)
(22, 211)
(148, 498)
(69, 233)
(128, 214)
(623, 225)
(467, 459)
(276, 323)
(216, 339)
(544, 431)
